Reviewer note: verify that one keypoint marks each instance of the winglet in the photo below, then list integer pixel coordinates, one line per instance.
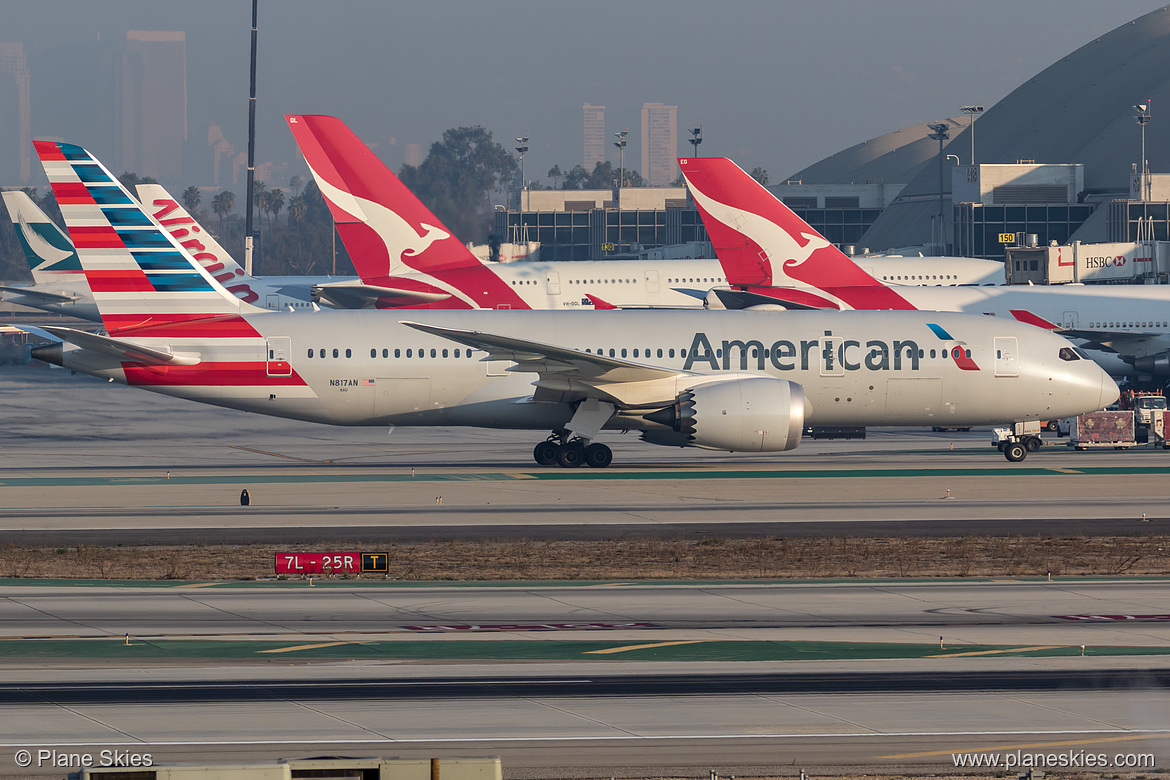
(1028, 318)
(599, 304)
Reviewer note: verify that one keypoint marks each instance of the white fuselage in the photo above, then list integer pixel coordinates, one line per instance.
(856, 368)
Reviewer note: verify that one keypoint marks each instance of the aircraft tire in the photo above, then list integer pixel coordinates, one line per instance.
(571, 455)
(598, 456)
(545, 453)
(1015, 452)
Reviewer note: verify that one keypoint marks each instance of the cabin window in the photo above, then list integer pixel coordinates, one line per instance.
(385, 353)
(635, 353)
(660, 353)
(444, 353)
(623, 351)
(671, 353)
(336, 353)
(310, 353)
(433, 354)
(409, 353)
(373, 353)
(349, 353)
(456, 353)
(398, 353)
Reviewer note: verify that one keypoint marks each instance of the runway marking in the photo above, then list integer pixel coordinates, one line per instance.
(197, 585)
(306, 647)
(997, 652)
(1144, 734)
(1065, 471)
(520, 476)
(610, 650)
(1024, 747)
(278, 454)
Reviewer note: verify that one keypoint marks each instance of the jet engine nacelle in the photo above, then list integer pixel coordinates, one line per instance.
(753, 414)
(1156, 365)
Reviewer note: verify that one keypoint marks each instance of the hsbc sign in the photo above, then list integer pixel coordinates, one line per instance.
(1105, 262)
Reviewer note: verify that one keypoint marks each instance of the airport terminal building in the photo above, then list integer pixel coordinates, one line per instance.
(1056, 161)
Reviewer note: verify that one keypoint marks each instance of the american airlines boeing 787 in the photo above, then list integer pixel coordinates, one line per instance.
(734, 381)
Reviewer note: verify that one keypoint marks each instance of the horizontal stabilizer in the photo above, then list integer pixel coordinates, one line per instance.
(740, 299)
(41, 295)
(355, 295)
(123, 350)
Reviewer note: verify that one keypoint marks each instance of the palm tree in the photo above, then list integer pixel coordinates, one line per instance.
(259, 195)
(295, 184)
(760, 175)
(192, 197)
(222, 204)
(297, 208)
(261, 198)
(275, 202)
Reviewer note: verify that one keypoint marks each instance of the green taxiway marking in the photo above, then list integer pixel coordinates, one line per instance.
(508, 650)
(584, 474)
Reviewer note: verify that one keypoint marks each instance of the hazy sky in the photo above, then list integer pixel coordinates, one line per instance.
(779, 84)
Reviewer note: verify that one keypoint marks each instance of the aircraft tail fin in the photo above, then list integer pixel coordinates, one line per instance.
(141, 276)
(47, 248)
(197, 240)
(386, 229)
(760, 242)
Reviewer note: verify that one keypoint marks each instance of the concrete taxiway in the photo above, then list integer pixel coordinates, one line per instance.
(86, 461)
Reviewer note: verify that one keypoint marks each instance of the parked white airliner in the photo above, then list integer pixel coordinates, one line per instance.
(735, 381)
(406, 257)
(772, 256)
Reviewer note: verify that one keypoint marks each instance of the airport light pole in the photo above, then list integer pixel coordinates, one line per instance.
(972, 111)
(620, 143)
(697, 139)
(523, 149)
(940, 134)
(251, 150)
(1143, 118)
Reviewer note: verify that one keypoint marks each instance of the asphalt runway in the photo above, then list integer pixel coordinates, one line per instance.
(83, 461)
(1063, 612)
(559, 681)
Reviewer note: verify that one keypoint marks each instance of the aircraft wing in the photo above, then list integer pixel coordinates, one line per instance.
(123, 350)
(742, 299)
(552, 362)
(355, 295)
(32, 292)
(1125, 343)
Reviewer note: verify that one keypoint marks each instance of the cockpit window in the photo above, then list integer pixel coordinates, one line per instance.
(1068, 353)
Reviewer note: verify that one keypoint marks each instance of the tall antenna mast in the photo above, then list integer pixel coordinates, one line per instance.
(251, 150)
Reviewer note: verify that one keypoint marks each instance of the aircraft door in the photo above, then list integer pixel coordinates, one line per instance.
(1006, 356)
(553, 283)
(272, 302)
(1070, 319)
(279, 349)
(652, 282)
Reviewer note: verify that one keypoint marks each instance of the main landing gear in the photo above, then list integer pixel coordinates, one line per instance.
(571, 453)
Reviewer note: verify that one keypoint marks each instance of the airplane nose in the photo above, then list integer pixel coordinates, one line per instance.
(1109, 391)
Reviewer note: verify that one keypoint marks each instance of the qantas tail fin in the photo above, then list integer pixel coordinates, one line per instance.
(49, 251)
(761, 243)
(386, 229)
(141, 276)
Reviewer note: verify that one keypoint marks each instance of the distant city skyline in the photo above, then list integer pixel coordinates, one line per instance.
(659, 144)
(797, 82)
